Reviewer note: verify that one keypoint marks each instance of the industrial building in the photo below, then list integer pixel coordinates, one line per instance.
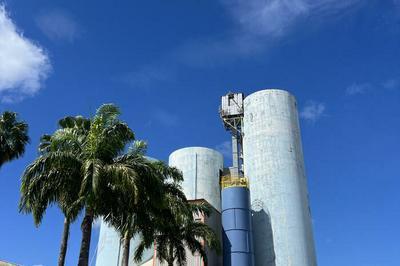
(261, 201)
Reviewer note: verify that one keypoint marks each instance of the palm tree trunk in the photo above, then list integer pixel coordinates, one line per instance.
(64, 243)
(171, 256)
(125, 249)
(86, 228)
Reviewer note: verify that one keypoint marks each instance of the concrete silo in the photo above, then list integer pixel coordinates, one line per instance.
(201, 168)
(273, 162)
(109, 247)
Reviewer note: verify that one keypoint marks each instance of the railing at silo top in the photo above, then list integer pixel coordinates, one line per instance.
(234, 181)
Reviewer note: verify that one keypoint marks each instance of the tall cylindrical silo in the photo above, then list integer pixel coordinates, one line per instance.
(236, 223)
(273, 162)
(109, 246)
(201, 169)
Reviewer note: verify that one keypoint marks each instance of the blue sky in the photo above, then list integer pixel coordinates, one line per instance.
(166, 64)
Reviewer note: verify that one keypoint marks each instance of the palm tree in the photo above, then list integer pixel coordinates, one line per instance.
(172, 228)
(181, 231)
(129, 195)
(107, 138)
(141, 196)
(55, 177)
(13, 137)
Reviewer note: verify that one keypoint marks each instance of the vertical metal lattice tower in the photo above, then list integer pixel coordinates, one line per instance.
(236, 213)
(231, 113)
(273, 162)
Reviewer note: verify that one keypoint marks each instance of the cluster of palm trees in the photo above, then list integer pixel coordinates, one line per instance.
(96, 168)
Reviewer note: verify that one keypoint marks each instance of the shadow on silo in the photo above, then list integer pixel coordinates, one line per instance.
(263, 239)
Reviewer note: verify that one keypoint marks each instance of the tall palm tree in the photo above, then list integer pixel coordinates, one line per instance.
(141, 196)
(130, 195)
(107, 138)
(13, 137)
(55, 176)
(182, 231)
(173, 227)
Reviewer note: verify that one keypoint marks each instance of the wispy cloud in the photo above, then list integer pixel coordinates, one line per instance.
(23, 64)
(391, 84)
(166, 118)
(367, 87)
(225, 148)
(266, 20)
(257, 25)
(312, 111)
(262, 17)
(146, 76)
(57, 24)
(275, 18)
(358, 88)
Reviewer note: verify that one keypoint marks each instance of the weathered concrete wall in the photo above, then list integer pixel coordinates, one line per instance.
(109, 250)
(273, 162)
(201, 169)
(108, 247)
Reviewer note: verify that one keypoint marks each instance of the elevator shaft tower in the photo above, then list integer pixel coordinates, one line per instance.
(235, 194)
(231, 113)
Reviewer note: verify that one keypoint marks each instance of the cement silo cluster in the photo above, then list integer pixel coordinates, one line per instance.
(261, 206)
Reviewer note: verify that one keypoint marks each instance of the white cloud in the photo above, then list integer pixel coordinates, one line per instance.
(358, 88)
(361, 88)
(271, 17)
(58, 25)
(275, 17)
(23, 64)
(225, 148)
(312, 111)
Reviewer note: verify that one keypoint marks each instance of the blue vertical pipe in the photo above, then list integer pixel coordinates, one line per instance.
(237, 228)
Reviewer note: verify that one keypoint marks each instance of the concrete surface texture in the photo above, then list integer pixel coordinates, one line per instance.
(273, 162)
(109, 250)
(201, 170)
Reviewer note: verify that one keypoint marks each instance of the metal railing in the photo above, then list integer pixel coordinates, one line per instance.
(234, 181)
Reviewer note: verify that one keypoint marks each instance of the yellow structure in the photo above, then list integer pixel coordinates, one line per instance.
(234, 181)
